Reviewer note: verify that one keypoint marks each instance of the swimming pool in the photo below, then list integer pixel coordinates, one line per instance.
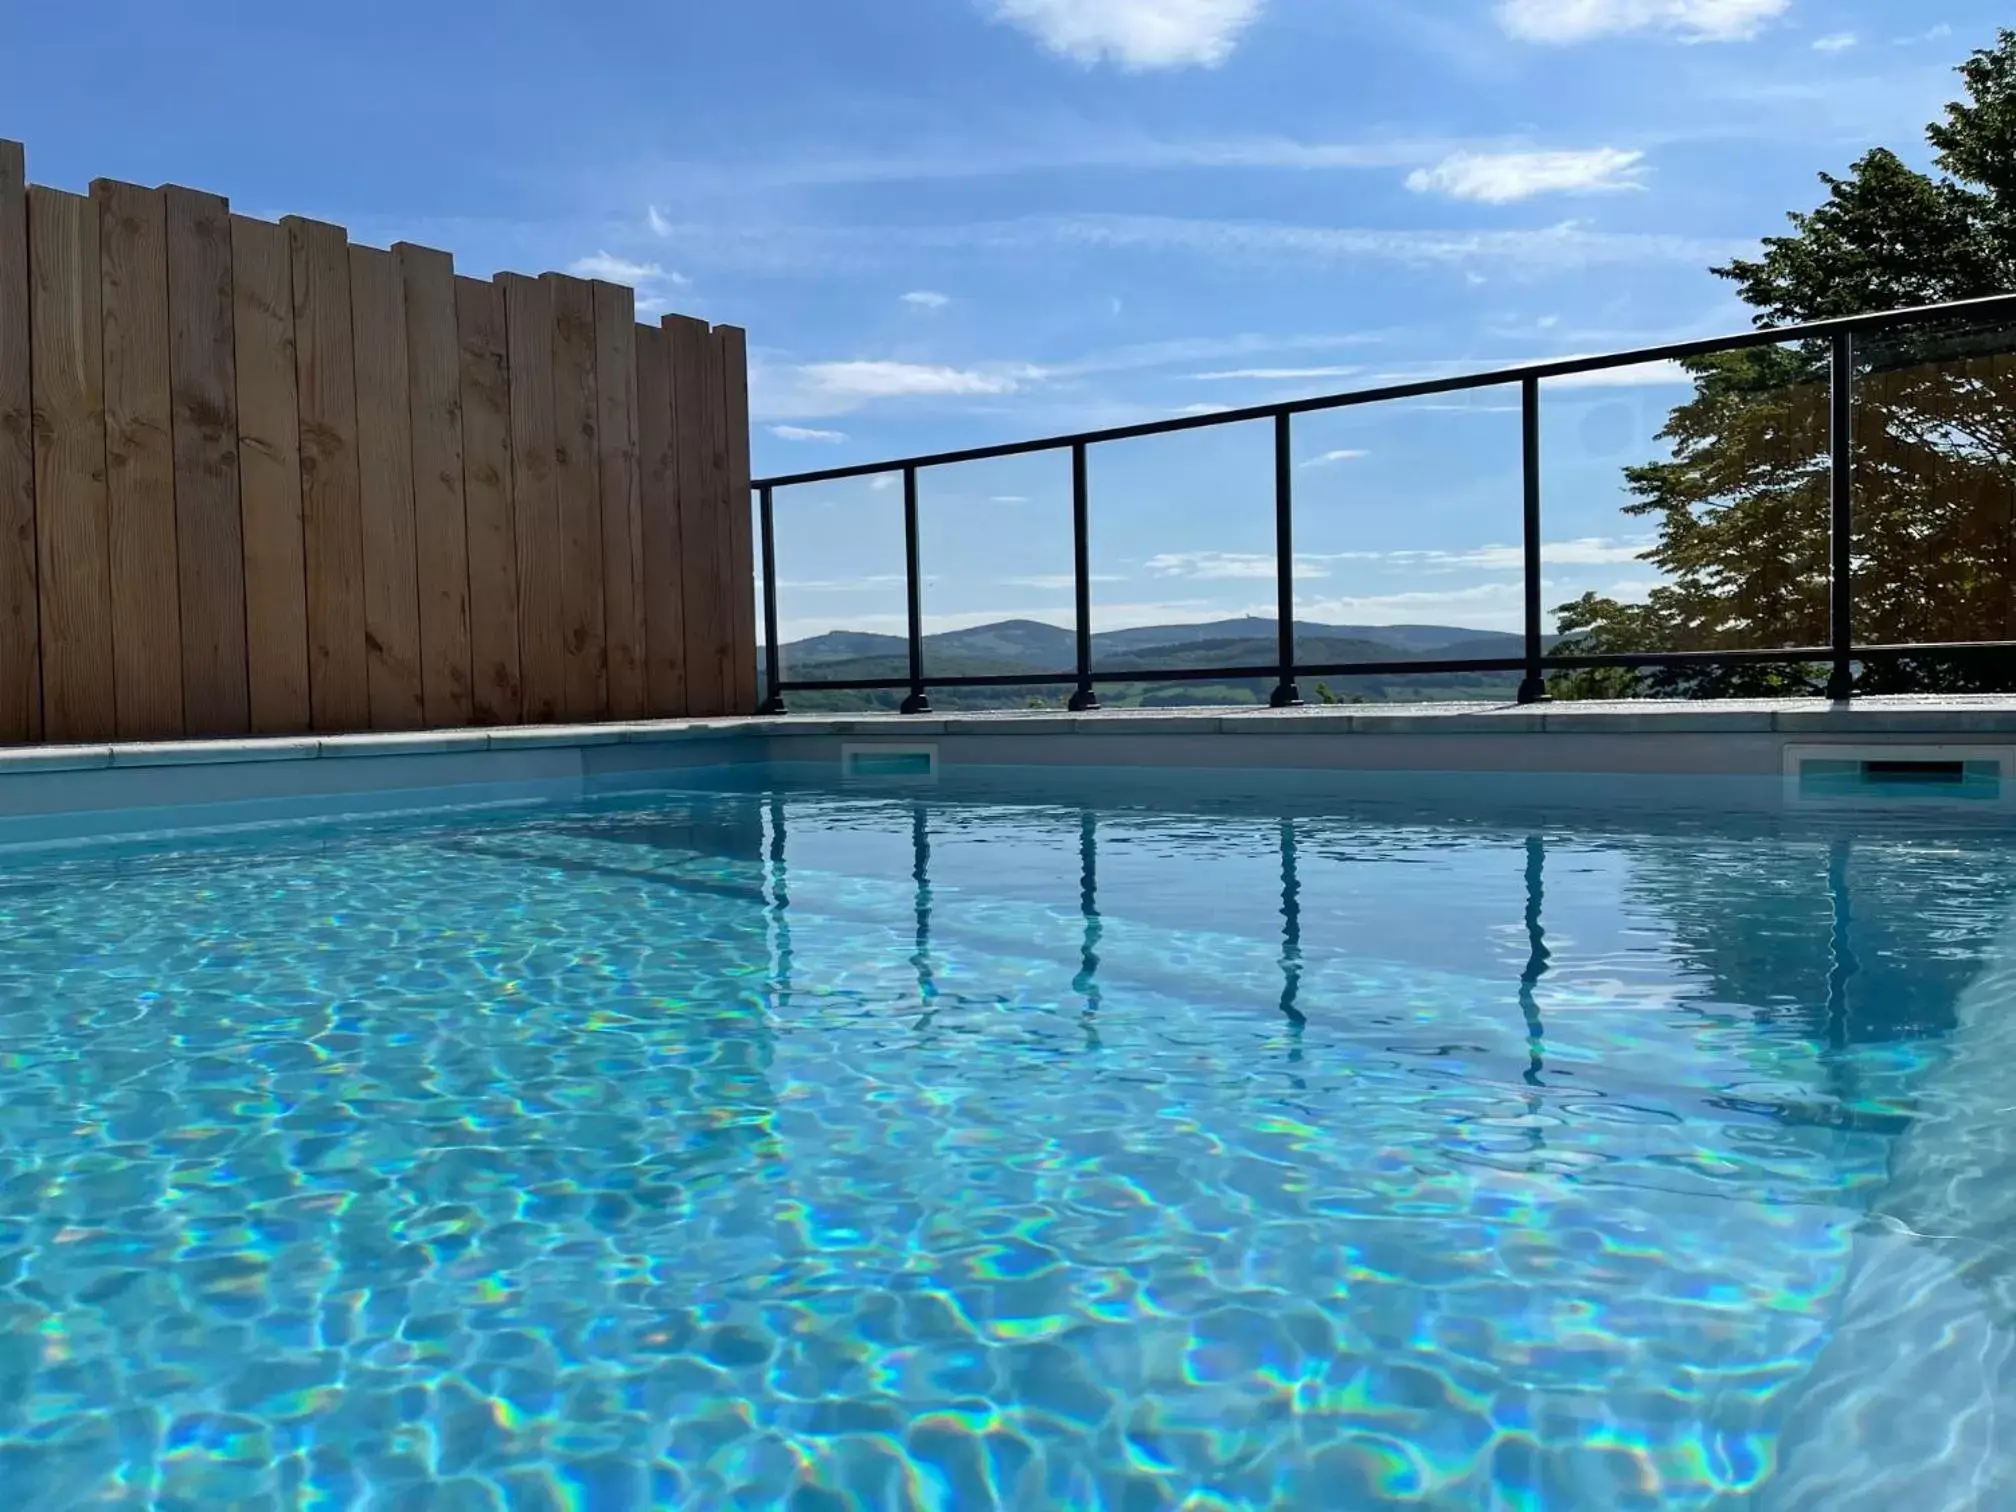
(793, 1146)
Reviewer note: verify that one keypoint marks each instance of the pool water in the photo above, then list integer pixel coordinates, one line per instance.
(821, 1149)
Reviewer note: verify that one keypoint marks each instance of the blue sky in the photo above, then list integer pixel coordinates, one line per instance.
(946, 222)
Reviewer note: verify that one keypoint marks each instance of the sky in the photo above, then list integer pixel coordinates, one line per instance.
(952, 222)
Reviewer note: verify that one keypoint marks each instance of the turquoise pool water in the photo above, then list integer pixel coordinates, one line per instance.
(817, 1150)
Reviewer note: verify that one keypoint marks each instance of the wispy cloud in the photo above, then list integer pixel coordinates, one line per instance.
(656, 220)
(1332, 458)
(1562, 248)
(807, 433)
(1136, 34)
(1562, 21)
(1232, 566)
(1835, 42)
(927, 299)
(864, 380)
(1501, 178)
(1057, 582)
(843, 585)
(622, 270)
(1274, 374)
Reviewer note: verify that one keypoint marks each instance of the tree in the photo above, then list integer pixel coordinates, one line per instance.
(1742, 506)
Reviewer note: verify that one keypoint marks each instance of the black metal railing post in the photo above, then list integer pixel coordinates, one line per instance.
(1533, 688)
(1286, 695)
(773, 658)
(919, 701)
(1081, 569)
(1841, 477)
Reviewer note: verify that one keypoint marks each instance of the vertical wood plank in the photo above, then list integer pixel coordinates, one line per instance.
(440, 522)
(732, 345)
(577, 466)
(535, 498)
(71, 529)
(331, 518)
(20, 629)
(139, 461)
(385, 490)
(269, 477)
(658, 502)
(622, 521)
(209, 535)
(495, 694)
(697, 432)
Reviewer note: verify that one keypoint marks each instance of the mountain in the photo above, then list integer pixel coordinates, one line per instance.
(1013, 647)
(1029, 645)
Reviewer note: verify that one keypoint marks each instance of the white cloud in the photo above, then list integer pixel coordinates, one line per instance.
(1268, 375)
(883, 482)
(842, 585)
(1501, 178)
(656, 220)
(1235, 566)
(1008, 499)
(1136, 34)
(927, 299)
(621, 270)
(863, 380)
(1836, 42)
(1057, 582)
(807, 433)
(1689, 20)
(1343, 454)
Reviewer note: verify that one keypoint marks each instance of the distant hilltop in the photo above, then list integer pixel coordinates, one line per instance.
(1029, 646)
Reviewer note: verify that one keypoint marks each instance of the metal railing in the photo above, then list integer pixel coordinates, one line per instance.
(1840, 654)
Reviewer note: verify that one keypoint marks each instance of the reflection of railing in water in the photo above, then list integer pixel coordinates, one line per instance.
(1085, 981)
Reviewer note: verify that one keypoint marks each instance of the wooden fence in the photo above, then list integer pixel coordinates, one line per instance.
(255, 479)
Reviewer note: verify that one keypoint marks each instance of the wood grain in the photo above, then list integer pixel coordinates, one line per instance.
(535, 498)
(622, 521)
(139, 461)
(385, 490)
(658, 508)
(495, 693)
(332, 529)
(731, 345)
(699, 443)
(269, 478)
(73, 558)
(209, 532)
(440, 523)
(577, 472)
(20, 621)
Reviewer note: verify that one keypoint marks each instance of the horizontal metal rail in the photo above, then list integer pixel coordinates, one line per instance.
(1840, 655)
(1971, 310)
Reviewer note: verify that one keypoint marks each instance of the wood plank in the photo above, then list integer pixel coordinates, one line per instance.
(332, 530)
(385, 490)
(440, 524)
(495, 693)
(269, 478)
(209, 533)
(139, 461)
(535, 497)
(658, 504)
(622, 520)
(586, 694)
(73, 552)
(20, 629)
(732, 344)
(697, 431)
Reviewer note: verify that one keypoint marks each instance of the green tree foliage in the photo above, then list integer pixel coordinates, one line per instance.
(1741, 509)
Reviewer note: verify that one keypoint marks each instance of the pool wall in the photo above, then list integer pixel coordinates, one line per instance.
(1730, 753)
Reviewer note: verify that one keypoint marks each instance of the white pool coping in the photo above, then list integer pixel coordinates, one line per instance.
(81, 791)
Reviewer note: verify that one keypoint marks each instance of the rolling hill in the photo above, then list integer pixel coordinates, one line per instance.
(1013, 647)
